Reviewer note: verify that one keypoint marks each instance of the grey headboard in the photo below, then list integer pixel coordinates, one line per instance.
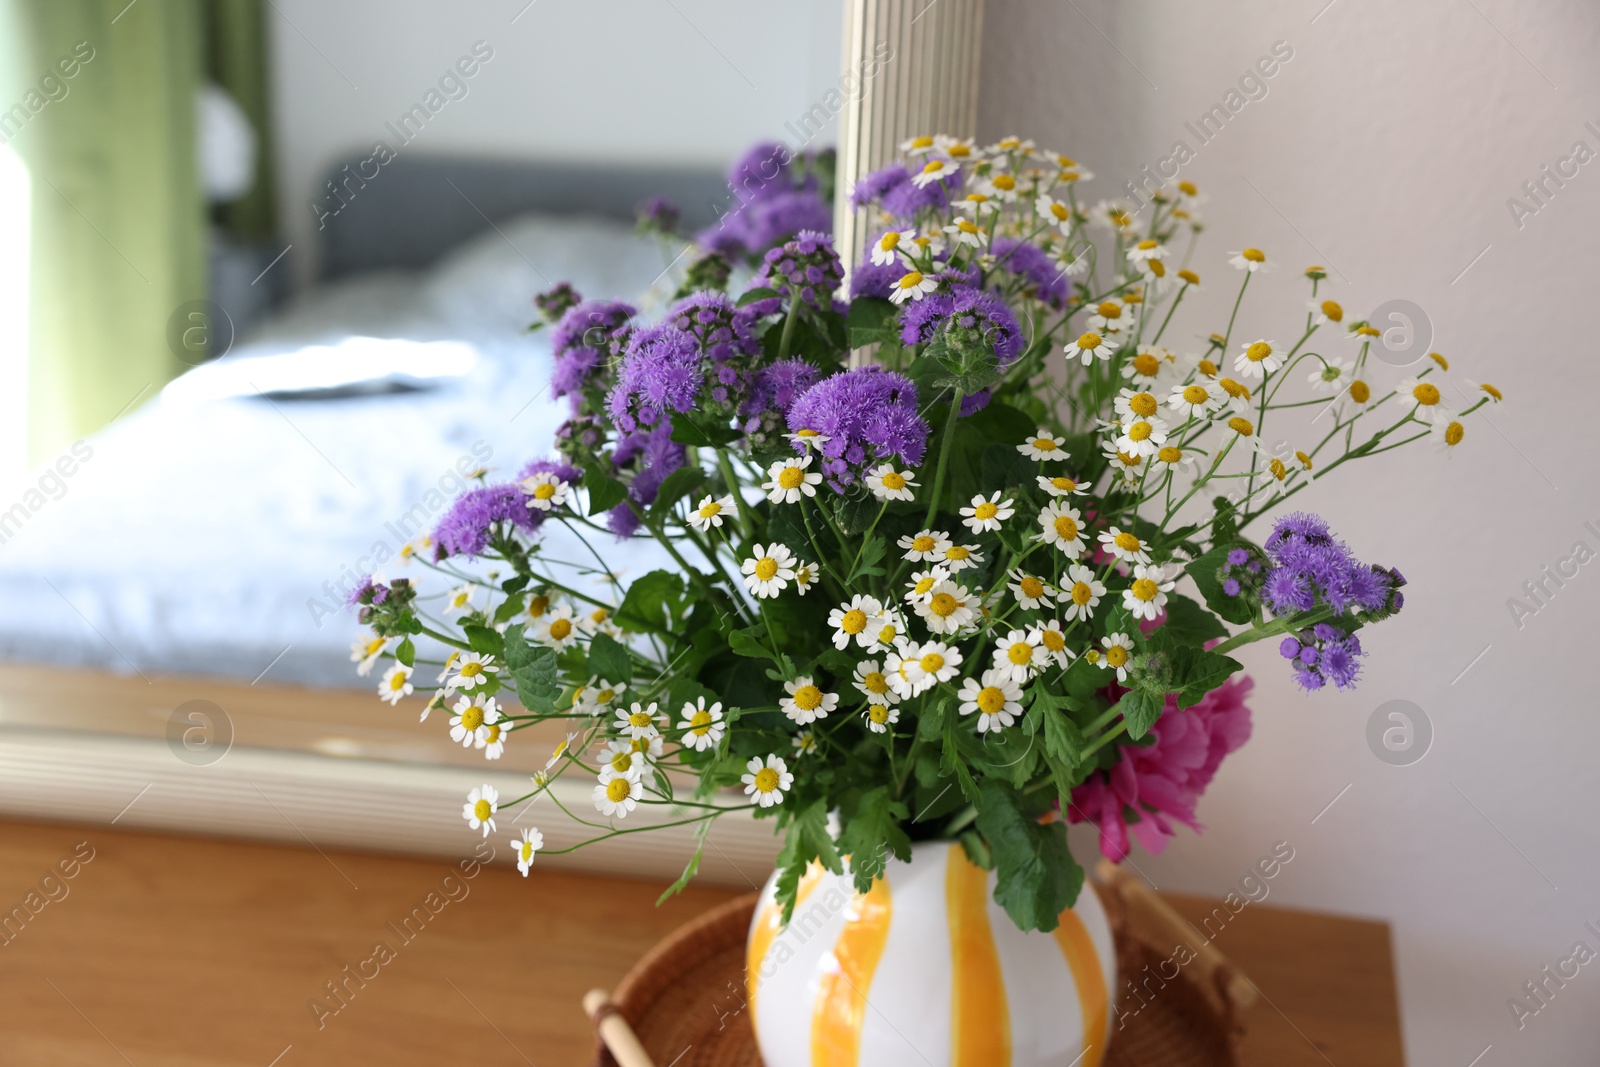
(419, 206)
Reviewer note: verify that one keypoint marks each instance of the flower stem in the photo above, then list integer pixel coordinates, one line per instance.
(944, 457)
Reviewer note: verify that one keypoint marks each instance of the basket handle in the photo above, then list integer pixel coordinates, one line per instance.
(614, 1031)
(1154, 917)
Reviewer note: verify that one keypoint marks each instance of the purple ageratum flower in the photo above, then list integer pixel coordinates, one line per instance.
(365, 592)
(878, 184)
(1046, 277)
(653, 455)
(771, 221)
(662, 372)
(465, 528)
(658, 215)
(561, 469)
(874, 279)
(975, 402)
(964, 308)
(1310, 563)
(806, 269)
(868, 415)
(762, 172)
(728, 337)
(582, 340)
(907, 198)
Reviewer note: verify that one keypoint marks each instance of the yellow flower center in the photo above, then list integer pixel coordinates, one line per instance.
(1066, 528)
(1368, 331)
(700, 723)
(766, 568)
(544, 491)
(1044, 444)
(1169, 454)
(618, 790)
(1061, 212)
(808, 698)
(1146, 245)
(599, 615)
(922, 543)
(966, 226)
(1279, 471)
(933, 166)
(932, 663)
(1332, 310)
(878, 714)
(1139, 431)
(887, 635)
(1444, 364)
(1305, 460)
(1187, 188)
(605, 696)
(1454, 433)
(925, 584)
(1082, 593)
(911, 280)
(1055, 640)
(790, 478)
(494, 733)
(1208, 368)
(875, 682)
(1020, 653)
(766, 780)
(710, 510)
(374, 646)
(622, 761)
(991, 700)
(639, 744)
(482, 810)
(1127, 460)
(893, 480)
(1426, 393)
(1031, 587)
(889, 241)
(1491, 390)
(958, 552)
(472, 669)
(854, 621)
(1144, 589)
(1360, 392)
(525, 850)
(1110, 309)
(921, 142)
(1196, 394)
(472, 718)
(640, 719)
(986, 510)
(1157, 268)
(1241, 427)
(538, 605)
(1254, 255)
(1146, 365)
(1143, 404)
(943, 605)
(1258, 352)
(960, 151)
(1089, 341)
(1234, 389)
(1127, 542)
(1116, 655)
(560, 629)
(1005, 182)
(1066, 485)
(397, 682)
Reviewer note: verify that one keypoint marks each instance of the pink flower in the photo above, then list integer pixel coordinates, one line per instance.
(1164, 781)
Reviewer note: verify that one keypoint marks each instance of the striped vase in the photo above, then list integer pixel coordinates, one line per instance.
(926, 970)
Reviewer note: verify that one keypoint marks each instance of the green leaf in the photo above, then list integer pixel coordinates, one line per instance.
(484, 639)
(406, 652)
(873, 834)
(748, 643)
(534, 669)
(1141, 708)
(691, 868)
(1062, 738)
(1037, 878)
(752, 295)
(679, 484)
(1195, 672)
(688, 431)
(872, 320)
(871, 552)
(806, 840)
(608, 659)
(1188, 623)
(652, 602)
(1205, 572)
(605, 492)
(978, 852)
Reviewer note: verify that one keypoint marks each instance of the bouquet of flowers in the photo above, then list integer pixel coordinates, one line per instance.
(926, 529)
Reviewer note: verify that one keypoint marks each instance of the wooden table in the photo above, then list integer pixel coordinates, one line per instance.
(181, 952)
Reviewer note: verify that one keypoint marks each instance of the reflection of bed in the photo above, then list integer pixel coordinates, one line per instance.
(206, 543)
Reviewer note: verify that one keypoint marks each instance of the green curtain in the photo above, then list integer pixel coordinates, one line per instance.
(236, 59)
(118, 221)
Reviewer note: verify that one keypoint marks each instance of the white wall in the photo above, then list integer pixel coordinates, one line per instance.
(690, 81)
(1387, 148)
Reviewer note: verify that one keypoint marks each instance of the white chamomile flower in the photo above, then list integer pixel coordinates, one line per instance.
(1114, 653)
(935, 662)
(788, 481)
(1146, 597)
(1112, 317)
(1331, 375)
(1324, 311)
(949, 608)
(880, 717)
(1054, 642)
(960, 557)
(933, 171)
(1363, 333)
(1146, 249)
(1171, 457)
(619, 758)
(804, 742)
(913, 285)
(925, 546)
(1142, 436)
(472, 670)
(435, 701)
(1060, 486)
(1446, 431)
(1082, 596)
(1057, 213)
(711, 512)
(887, 483)
(1031, 591)
(766, 780)
(1062, 526)
(1124, 546)
(920, 587)
(396, 684)
(558, 629)
(900, 668)
(805, 576)
(890, 627)
(530, 842)
(560, 750)
(1088, 347)
(806, 701)
(1147, 365)
(492, 738)
(967, 232)
(1419, 397)
(702, 726)
(451, 662)
(620, 795)
(997, 700)
(1114, 215)
(366, 653)
(768, 569)
(1043, 445)
(637, 721)
(1019, 656)
(1249, 259)
(1196, 400)
(1135, 404)
(480, 807)
(598, 620)
(1127, 464)
(545, 492)
(854, 619)
(472, 716)
(1495, 396)
(959, 148)
(917, 146)
(596, 695)
(409, 550)
(1257, 360)
(887, 249)
(874, 683)
(986, 513)
(459, 600)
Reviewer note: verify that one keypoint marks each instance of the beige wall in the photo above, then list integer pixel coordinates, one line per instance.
(1387, 147)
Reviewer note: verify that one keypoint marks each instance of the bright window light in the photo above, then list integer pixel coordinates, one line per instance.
(15, 203)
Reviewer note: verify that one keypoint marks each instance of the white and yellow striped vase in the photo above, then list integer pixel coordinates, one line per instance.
(926, 970)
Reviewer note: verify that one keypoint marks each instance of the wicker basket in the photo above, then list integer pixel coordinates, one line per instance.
(684, 1000)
